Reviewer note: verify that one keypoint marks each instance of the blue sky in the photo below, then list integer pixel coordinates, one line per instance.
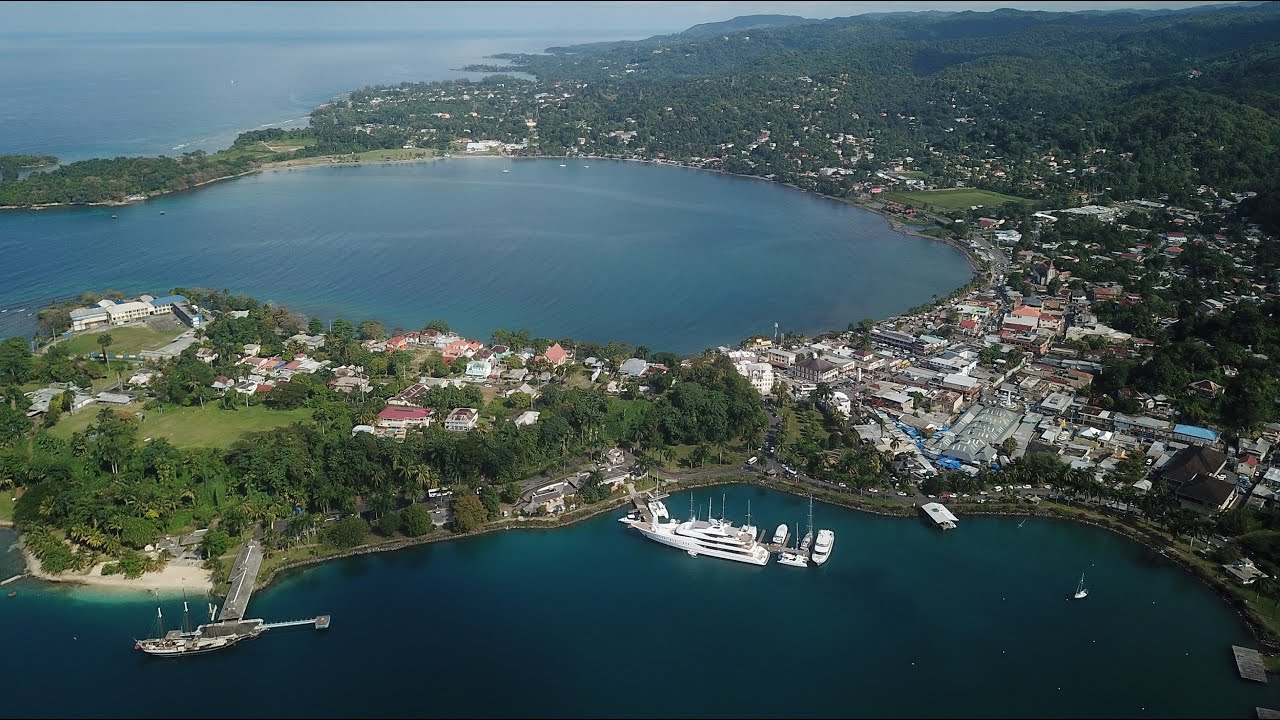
(620, 18)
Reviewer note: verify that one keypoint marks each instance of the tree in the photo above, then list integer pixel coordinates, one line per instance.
(314, 326)
(1009, 446)
(371, 330)
(468, 513)
(347, 532)
(215, 543)
(510, 492)
(15, 361)
(416, 521)
(104, 342)
(492, 504)
(389, 524)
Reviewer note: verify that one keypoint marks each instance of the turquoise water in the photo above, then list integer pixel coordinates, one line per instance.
(593, 620)
(672, 258)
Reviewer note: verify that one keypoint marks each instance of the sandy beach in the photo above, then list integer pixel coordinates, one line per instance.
(173, 577)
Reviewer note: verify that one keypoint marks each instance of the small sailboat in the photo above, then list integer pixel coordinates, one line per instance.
(1081, 591)
(793, 557)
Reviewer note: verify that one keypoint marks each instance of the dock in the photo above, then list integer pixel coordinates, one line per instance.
(1249, 663)
(321, 623)
(244, 573)
(1267, 713)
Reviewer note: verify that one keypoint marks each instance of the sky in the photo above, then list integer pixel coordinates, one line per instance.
(617, 19)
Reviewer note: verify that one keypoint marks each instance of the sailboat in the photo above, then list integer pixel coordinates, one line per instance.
(793, 557)
(1081, 591)
(808, 536)
(1024, 522)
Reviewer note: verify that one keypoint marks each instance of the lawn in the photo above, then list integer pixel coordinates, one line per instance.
(124, 340)
(185, 427)
(6, 505)
(953, 198)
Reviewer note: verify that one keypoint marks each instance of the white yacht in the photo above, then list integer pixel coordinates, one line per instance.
(780, 535)
(716, 538)
(822, 549)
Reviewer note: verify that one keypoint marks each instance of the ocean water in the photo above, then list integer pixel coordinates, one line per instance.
(81, 96)
(593, 621)
(672, 258)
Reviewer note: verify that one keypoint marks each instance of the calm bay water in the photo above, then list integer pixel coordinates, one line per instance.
(675, 259)
(593, 620)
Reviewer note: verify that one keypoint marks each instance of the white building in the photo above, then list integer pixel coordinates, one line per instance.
(462, 419)
(127, 312)
(759, 374)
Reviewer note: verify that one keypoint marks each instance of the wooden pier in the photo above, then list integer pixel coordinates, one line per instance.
(244, 573)
(1249, 663)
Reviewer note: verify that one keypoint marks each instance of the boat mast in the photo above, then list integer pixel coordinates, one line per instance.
(723, 512)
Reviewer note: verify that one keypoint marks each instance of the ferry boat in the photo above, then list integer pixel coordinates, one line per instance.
(714, 537)
(822, 548)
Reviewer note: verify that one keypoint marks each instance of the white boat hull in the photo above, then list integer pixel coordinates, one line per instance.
(758, 556)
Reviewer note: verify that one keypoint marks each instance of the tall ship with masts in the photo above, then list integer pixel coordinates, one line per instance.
(713, 537)
(204, 639)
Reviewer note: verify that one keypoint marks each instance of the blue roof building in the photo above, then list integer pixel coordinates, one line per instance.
(1194, 434)
(167, 300)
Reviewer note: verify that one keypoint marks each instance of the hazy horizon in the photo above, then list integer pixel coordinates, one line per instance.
(607, 20)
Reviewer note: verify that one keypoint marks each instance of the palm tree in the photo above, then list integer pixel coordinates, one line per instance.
(104, 342)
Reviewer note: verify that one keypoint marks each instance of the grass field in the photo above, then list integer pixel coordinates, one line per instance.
(124, 340)
(209, 426)
(953, 198)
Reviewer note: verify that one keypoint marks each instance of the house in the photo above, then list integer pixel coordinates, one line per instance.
(528, 417)
(515, 375)
(313, 342)
(1244, 571)
(556, 355)
(479, 369)
(1206, 388)
(206, 355)
(633, 367)
(462, 419)
(409, 397)
(525, 388)
(396, 422)
(222, 382)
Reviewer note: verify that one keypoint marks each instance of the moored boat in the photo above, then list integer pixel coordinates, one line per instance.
(822, 547)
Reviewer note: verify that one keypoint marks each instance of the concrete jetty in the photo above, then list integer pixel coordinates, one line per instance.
(1249, 663)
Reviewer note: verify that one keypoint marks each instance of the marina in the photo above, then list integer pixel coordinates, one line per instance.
(716, 537)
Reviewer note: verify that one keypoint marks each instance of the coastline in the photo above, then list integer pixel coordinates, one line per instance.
(193, 578)
(172, 577)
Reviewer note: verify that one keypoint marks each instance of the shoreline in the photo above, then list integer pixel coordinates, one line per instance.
(181, 578)
(172, 577)
(1257, 628)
